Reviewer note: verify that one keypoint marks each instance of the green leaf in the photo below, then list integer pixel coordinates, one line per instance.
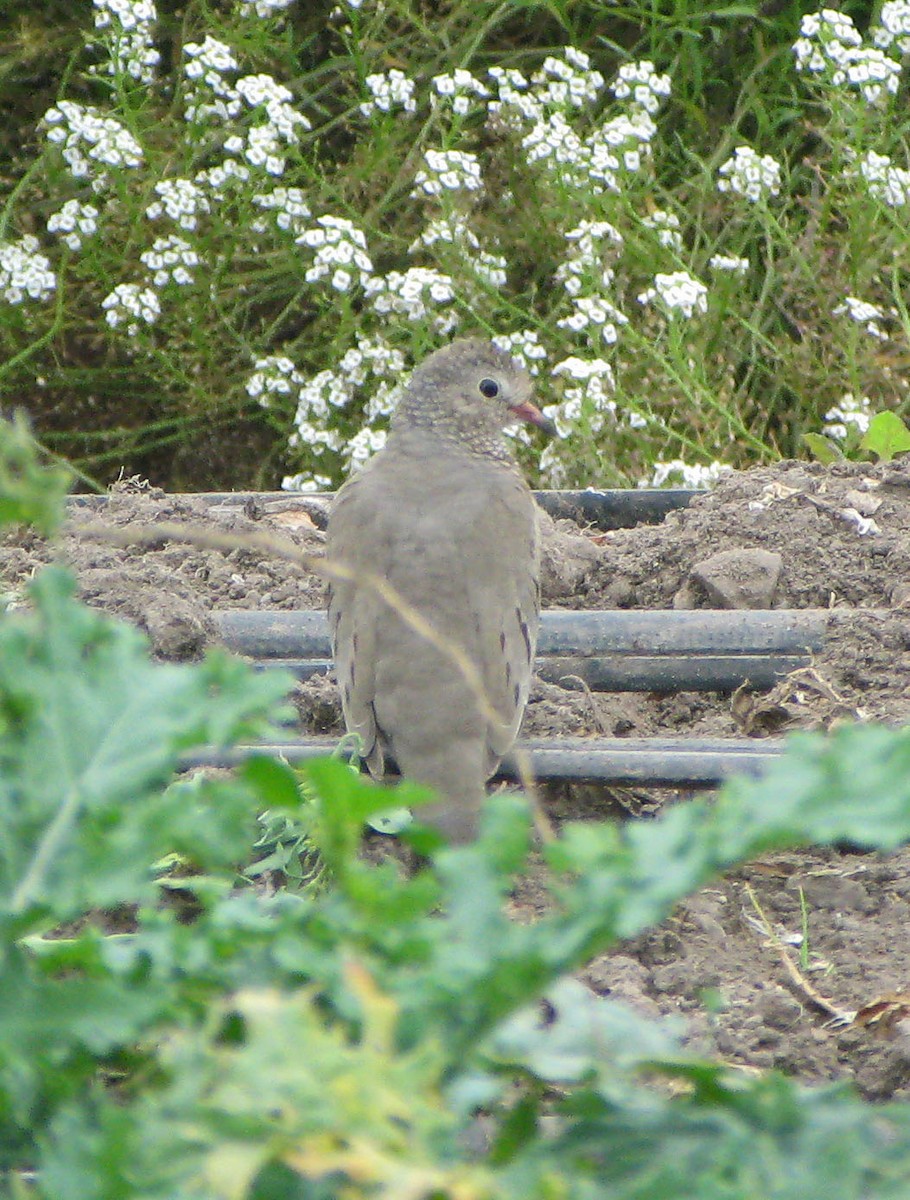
(739, 1139)
(823, 449)
(30, 493)
(275, 782)
(886, 436)
(583, 1035)
(345, 801)
(90, 735)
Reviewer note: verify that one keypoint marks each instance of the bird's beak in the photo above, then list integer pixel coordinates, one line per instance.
(531, 413)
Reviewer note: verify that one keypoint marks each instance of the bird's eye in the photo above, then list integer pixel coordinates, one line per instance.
(489, 388)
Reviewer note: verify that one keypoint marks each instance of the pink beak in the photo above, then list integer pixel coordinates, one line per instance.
(531, 413)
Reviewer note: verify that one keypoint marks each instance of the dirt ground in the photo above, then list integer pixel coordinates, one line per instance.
(793, 536)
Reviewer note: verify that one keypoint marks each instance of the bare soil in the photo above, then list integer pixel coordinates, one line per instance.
(793, 536)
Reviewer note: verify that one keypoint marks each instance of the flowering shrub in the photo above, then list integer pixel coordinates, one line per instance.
(249, 243)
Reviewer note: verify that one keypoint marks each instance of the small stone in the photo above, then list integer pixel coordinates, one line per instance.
(565, 557)
(741, 578)
(862, 502)
(835, 892)
(778, 1010)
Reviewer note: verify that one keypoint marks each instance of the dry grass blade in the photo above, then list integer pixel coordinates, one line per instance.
(278, 547)
(837, 1016)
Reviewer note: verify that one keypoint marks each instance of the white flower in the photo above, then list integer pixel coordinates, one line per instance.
(86, 138)
(588, 396)
(667, 226)
(894, 26)
(212, 96)
(885, 182)
(451, 228)
(538, 110)
(679, 473)
(723, 262)
(750, 174)
(525, 347)
(852, 410)
(210, 55)
(678, 292)
(364, 445)
(864, 314)
(288, 205)
(339, 244)
(389, 91)
(620, 143)
(25, 272)
(568, 82)
(316, 438)
(130, 40)
(273, 376)
(208, 93)
(447, 170)
(170, 259)
(831, 50)
(216, 179)
(306, 483)
(460, 89)
(596, 311)
(129, 300)
(414, 294)
(591, 244)
(73, 222)
(180, 199)
(263, 8)
(639, 82)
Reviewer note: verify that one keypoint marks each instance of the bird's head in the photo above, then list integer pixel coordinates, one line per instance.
(469, 391)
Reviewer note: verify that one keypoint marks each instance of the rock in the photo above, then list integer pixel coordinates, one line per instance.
(624, 979)
(836, 892)
(565, 557)
(741, 578)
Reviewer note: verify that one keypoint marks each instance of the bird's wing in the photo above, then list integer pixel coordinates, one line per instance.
(460, 544)
(507, 605)
(351, 614)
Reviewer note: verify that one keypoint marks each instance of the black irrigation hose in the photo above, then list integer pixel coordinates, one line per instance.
(669, 762)
(610, 508)
(302, 633)
(660, 651)
(704, 673)
(615, 651)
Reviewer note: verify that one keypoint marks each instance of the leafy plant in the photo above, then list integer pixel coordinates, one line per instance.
(167, 1033)
(886, 436)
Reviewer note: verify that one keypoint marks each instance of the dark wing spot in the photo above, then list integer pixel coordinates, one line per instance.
(502, 641)
(525, 632)
(516, 692)
(508, 673)
(346, 692)
(354, 643)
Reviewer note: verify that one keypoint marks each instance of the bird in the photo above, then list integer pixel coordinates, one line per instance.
(443, 514)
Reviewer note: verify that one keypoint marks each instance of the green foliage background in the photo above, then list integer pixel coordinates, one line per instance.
(740, 385)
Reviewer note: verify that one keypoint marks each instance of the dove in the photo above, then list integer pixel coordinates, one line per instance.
(443, 514)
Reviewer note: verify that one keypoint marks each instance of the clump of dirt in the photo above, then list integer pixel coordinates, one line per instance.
(167, 587)
(796, 535)
(841, 532)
